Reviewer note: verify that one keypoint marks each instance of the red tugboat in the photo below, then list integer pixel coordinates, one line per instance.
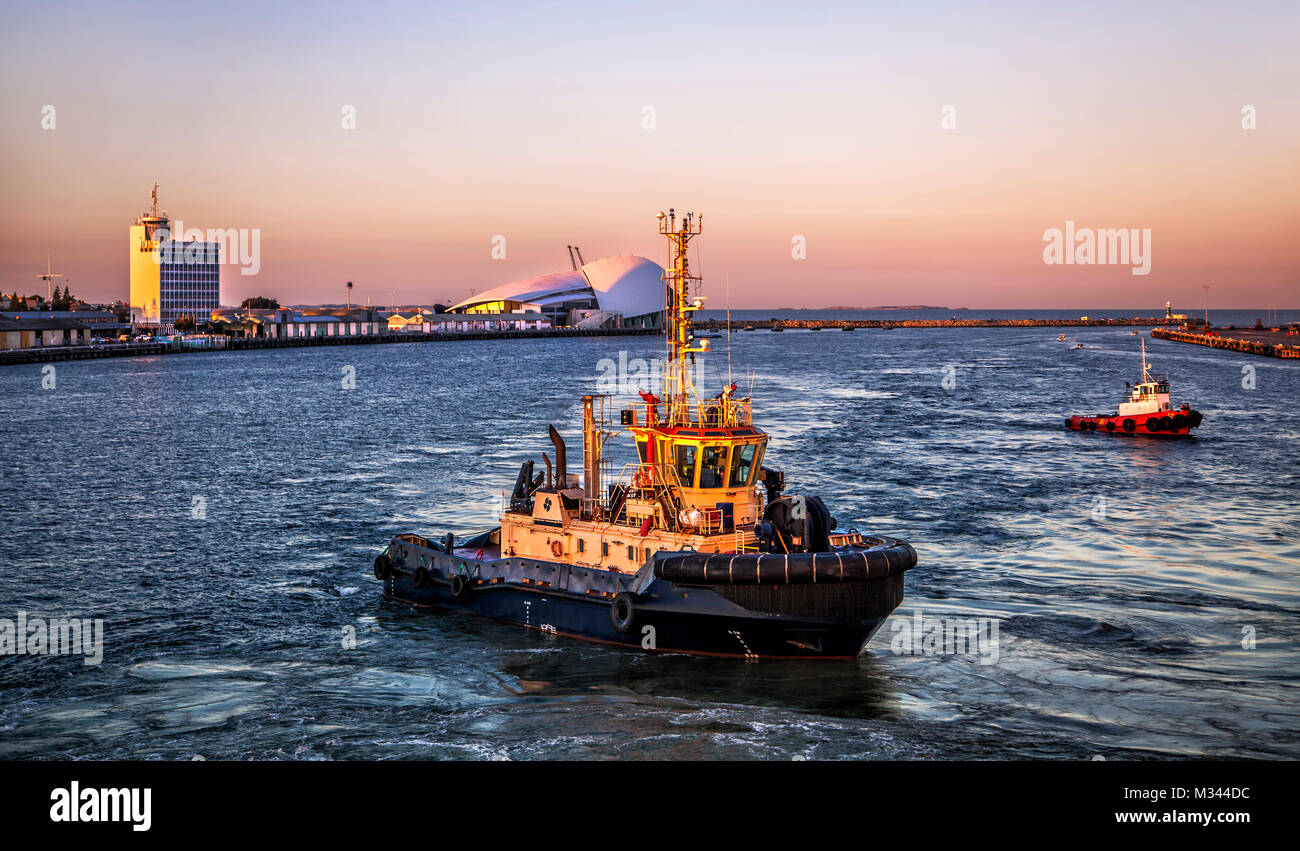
(1147, 411)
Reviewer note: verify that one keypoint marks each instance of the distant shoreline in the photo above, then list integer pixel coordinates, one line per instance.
(878, 307)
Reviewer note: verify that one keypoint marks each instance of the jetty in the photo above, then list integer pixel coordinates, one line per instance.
(1251, 341)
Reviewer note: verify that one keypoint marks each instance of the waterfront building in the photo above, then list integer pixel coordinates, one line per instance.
(458, 322)
(170, 277)
(286, 323)
(103, 323)
(623, 291)
(401, 323)
(40, 331)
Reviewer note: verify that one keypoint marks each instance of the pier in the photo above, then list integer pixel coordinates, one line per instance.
(1250, 341)
(126, 350)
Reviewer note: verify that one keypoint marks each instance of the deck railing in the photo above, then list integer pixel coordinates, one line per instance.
(706, 413)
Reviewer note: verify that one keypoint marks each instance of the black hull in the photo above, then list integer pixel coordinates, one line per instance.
(831, 620)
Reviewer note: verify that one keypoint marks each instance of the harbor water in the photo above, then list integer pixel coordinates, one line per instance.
(220, 512)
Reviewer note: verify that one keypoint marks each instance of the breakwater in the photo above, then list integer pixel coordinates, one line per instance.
(1266, 344)
(69, 353)
(886, 324)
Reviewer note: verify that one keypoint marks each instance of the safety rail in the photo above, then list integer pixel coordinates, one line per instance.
(744, 542)
(706, 413)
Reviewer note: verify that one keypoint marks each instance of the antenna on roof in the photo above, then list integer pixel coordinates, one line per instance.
(578, 251)
(572, 262)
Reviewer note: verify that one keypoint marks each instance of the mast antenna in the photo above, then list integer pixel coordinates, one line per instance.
(680, 311)
(48, 278)
(728, 287)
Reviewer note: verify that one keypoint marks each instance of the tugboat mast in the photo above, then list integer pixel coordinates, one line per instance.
(680, 308)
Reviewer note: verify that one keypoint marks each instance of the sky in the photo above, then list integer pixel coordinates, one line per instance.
(917, 152)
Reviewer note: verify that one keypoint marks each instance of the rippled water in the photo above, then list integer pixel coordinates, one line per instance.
(1121, 634)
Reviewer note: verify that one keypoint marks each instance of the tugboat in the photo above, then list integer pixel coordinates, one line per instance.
(693, 547)
(1147, 411)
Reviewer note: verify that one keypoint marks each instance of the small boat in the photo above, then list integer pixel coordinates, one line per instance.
(691, 545)
(1135, 333)
(848, 328)
(1147, 411)
(749, 328)
(1076, 346)
(777, 327)
(1060, 338)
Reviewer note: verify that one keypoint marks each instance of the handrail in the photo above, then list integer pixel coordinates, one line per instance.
(706, 413)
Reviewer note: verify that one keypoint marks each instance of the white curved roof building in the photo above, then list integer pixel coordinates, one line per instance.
(626, 286)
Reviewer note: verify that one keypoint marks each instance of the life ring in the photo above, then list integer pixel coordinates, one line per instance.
(641, 479)
(622, 613)
(1129, 424)
(382, 566)
(557, 548)
(459, 586)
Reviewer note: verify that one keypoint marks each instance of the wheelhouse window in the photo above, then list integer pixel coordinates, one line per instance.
(713, 467)
(685, 464)
(742, 464)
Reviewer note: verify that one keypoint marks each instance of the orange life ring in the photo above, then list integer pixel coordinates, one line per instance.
(557, 548)
(642, 478)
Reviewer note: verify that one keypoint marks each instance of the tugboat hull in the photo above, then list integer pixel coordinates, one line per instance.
(1161, 424)
(827, 619)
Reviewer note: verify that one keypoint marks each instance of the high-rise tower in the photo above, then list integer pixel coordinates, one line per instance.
(170, 277)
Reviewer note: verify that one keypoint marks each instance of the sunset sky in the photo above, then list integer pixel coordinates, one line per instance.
(774, 120)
